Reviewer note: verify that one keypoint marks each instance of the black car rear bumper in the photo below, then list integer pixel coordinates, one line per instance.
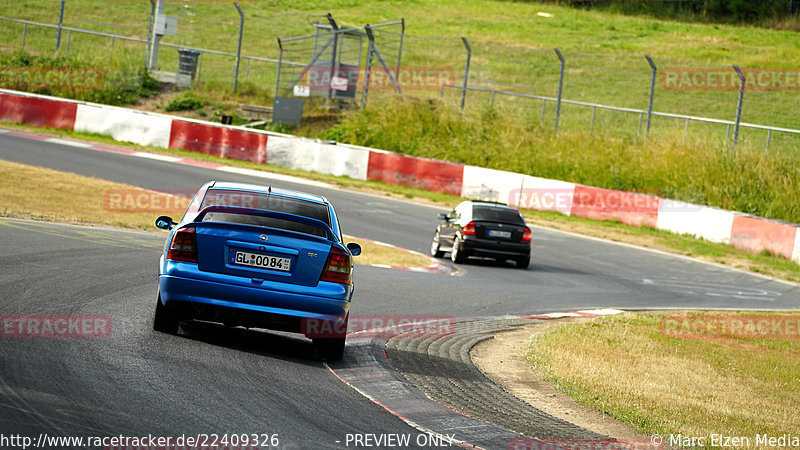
(494, 248)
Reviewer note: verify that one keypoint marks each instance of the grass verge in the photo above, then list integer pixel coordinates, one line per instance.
(648, 371)
(43, 194)
(766, 264)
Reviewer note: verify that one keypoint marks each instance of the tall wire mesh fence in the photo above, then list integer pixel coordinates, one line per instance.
(610, 93)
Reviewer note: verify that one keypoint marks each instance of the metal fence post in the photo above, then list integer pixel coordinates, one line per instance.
(652, 93)
(769, 137)
(60, 25)
(334, 70)
(24, 35)
(238, 47)
(560, 87)
(466, 72)
(278, 74)
(199, 67)
(370, 50)
(400, 49)
(738, 106)
(149, 33)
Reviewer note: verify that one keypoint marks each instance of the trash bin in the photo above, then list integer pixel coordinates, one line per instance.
(187, 62)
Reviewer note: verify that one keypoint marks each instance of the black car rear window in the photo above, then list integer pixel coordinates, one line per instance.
(497, 214)
(258, 200)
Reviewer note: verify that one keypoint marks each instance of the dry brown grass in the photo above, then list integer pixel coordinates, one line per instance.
(43, 194)
(625, 366)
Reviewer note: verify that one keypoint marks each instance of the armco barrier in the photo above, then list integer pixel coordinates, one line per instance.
(755, 234)
(225, 142)
(745, 232)
(605, 204)
(711, 224)
(124, 124)
(37, 111)
(423, 173)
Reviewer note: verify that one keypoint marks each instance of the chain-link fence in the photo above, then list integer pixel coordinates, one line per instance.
(557, 89)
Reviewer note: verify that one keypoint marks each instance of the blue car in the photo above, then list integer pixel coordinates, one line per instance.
(258, 257)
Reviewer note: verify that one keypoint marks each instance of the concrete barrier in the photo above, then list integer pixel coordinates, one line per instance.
(490, 185)
(711, 224)
(606, 204)
(544, 194)
(307, 154)
(218, 140)
(37, 111)
(124, 125)
(755, 234)
(423, 173)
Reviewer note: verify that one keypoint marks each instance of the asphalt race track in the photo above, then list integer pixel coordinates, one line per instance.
(138, 382)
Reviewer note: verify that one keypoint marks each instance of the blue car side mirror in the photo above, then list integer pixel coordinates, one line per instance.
(165, 222)
(354, 248)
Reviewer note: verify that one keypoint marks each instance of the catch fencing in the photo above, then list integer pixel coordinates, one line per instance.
(558, 89)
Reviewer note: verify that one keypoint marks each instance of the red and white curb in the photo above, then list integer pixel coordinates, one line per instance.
(582, 313)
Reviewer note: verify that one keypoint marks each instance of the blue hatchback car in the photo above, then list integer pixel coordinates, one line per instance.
(258, 257)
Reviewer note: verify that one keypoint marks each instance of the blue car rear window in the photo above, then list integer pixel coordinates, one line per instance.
(258, 200)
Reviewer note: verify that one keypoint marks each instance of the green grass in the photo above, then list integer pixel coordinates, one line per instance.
(518, 51)
(630, 366)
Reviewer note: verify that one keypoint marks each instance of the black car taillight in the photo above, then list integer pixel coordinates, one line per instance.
(469, 229)
(337, 267)
(183, 246)
(526, 235)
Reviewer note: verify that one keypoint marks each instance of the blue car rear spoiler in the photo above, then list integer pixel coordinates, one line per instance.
(272, 214)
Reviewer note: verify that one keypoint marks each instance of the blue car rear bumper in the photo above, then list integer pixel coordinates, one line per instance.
(259, 298)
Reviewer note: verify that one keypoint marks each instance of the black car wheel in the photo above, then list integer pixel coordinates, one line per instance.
(523, 262)
(435, 249)
(165, 319)
(457, 255)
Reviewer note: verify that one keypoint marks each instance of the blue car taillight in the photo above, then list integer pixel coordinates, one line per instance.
(183, 246)
(337, 267)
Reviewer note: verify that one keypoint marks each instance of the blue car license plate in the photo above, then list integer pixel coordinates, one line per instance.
(261, 261)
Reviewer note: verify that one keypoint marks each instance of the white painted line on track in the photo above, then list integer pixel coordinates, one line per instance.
(70, 143)
(156, 156)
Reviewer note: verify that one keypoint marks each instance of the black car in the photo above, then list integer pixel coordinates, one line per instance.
(484, 229)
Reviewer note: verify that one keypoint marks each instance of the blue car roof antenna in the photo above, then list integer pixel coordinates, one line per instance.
(269, 188)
